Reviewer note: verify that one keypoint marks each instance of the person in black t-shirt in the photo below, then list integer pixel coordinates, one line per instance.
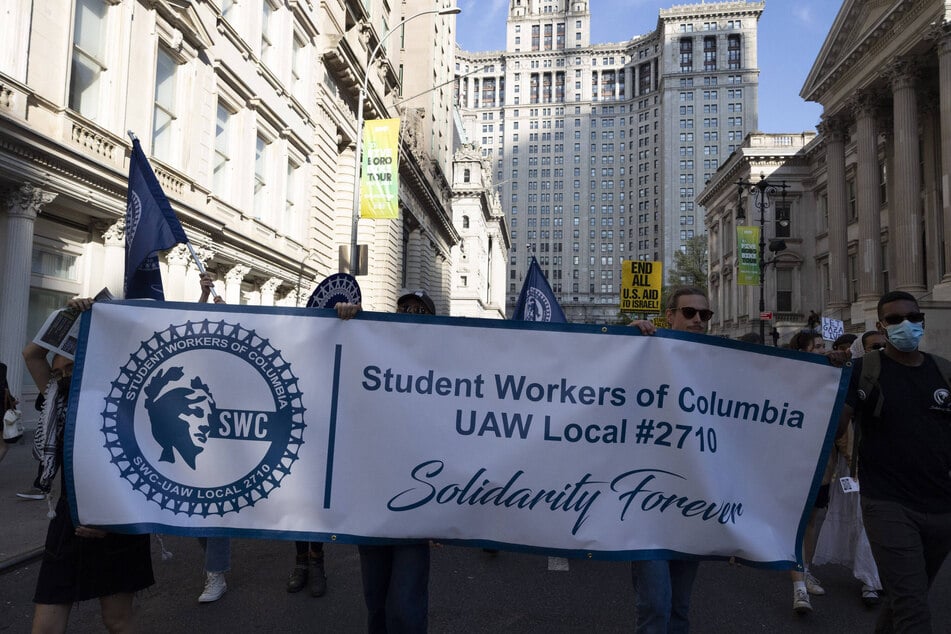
(904, 465)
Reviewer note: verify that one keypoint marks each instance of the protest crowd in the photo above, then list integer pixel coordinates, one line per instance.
(894, 535)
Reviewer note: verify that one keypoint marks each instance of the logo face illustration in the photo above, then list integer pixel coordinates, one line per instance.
(537, 306)
(133, 213)
(204, 419)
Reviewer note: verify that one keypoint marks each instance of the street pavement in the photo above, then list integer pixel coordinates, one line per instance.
(470, 590)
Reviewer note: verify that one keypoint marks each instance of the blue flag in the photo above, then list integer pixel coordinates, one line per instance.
(150, 227)
(536, 302)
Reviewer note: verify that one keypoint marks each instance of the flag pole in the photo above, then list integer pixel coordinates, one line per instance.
(191, 249)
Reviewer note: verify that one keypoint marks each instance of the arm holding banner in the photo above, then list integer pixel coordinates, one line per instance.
(127, 557)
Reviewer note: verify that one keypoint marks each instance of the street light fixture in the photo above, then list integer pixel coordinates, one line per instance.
(354, 260)
(761, 192)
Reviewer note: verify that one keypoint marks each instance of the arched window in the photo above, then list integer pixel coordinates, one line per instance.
(465, 222)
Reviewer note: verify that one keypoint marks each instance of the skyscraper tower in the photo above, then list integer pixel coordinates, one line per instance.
(599, 150)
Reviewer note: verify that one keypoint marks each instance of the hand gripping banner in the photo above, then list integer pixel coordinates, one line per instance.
(559, 438)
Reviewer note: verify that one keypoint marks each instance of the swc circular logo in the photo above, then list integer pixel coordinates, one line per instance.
(204, 419)
(537, 306)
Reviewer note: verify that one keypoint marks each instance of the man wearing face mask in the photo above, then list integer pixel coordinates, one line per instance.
(904, 459)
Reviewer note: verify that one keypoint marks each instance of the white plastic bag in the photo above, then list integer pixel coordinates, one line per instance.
(12, 425)
(842, 538)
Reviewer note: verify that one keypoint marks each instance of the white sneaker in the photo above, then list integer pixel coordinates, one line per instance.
(800, 601)
(215, 586)
(813, 585)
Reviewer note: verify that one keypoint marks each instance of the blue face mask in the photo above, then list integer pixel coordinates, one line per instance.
(905, 336)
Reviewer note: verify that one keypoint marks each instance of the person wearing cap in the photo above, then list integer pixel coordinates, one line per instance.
(396, 577)
(416, 302)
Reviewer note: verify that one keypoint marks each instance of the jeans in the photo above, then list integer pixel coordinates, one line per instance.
(662, 591)
(217, 553)
(909, 548)
(396, 588)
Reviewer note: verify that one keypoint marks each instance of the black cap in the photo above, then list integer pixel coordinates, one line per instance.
(422, 296)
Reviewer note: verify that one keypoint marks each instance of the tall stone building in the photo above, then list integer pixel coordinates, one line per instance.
(870, 207)
(600, 150)
(247, 110)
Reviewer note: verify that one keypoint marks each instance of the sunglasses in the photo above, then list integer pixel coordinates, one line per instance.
(690, 312)
(894, 320)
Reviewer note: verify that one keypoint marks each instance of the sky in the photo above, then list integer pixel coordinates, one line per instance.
(791, 32)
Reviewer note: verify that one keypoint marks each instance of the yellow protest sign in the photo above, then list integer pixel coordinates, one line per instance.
(641, 283)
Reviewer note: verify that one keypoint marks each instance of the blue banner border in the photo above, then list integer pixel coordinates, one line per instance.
(142, 528)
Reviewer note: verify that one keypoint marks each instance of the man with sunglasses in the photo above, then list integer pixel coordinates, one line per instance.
(873, 340)
(904, 458)
(662, 587)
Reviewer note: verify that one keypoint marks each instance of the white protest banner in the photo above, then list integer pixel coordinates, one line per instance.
(568, 439)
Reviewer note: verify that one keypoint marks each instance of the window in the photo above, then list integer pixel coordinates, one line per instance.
(466, 175)
(686, 55)
(222, 150)
(267, 32)
(260, 177)
(89, 41)
(734, 52)
(709, 53)
(298, 66)
(57, 264)
(784, 292)
(164, 116)
(783, 226)
(291, 221)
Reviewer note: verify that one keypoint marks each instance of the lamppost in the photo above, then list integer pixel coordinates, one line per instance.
(761, 192)
(354, 260)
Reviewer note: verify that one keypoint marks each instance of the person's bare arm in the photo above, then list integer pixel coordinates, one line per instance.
(646, 327)
(34, 356)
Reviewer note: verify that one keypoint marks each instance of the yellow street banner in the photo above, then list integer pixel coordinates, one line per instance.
(640, 286)
(747, 244)
(379, 182)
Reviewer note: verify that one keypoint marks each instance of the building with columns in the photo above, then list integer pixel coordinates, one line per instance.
(247, 111)
(600, 149)
(789, 289)
(876, 194)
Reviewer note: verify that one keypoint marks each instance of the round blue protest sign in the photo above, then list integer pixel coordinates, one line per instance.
(336, 288)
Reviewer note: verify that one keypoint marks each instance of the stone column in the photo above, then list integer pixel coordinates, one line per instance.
(635, 85)
(113, 274)
(233, 279)
(943, 289)
(22, 205)
(414, 258)
(834, 132)
(868, 200)
(178, 258)
(268, 289)
(904, 209)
